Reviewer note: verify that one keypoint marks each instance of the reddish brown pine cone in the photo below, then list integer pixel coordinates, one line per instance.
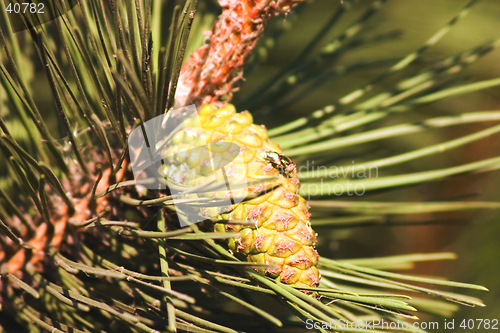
(210, 72)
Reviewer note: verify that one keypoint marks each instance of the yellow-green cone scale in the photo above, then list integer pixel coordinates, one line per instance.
(281, 235)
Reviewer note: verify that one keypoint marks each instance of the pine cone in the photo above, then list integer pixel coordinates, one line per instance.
(282, 235)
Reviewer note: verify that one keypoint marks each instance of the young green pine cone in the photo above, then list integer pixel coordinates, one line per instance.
(280, 233)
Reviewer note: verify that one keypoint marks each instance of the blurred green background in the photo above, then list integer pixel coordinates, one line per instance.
(475, 237)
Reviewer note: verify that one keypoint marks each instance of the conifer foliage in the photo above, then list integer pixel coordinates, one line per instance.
(86, 247)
